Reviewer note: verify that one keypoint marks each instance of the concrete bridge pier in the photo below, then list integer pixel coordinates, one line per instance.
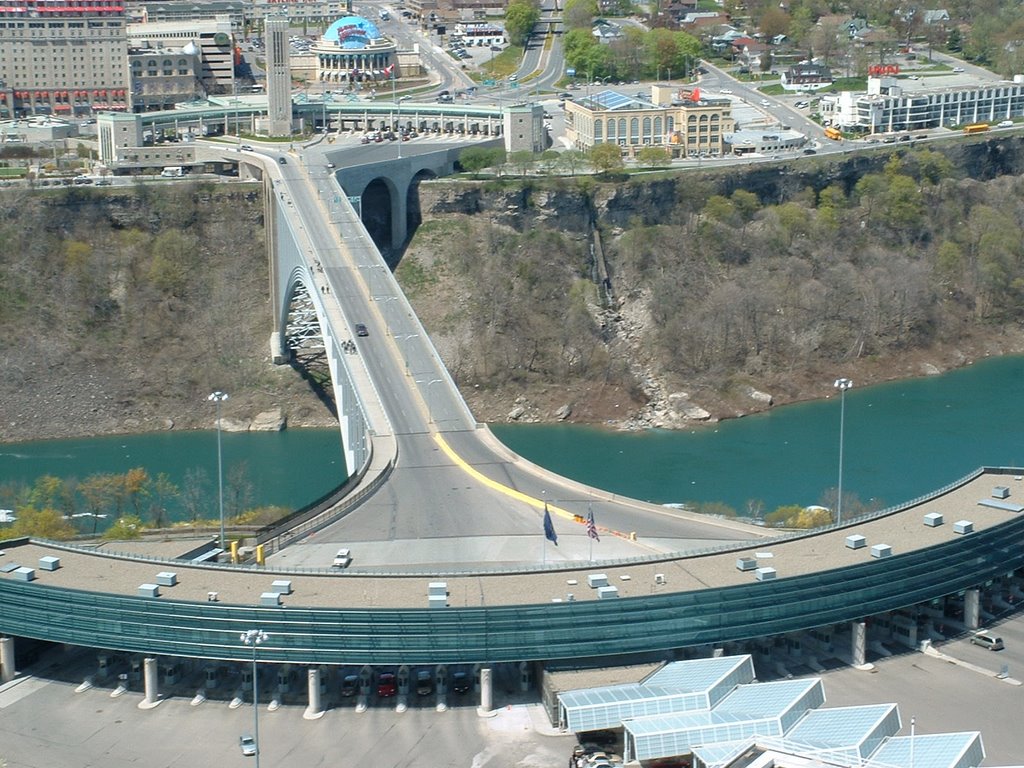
(314, 710)
(486, 708)
(972, 608)
(7, 670)
(151, 681)
(859, 643)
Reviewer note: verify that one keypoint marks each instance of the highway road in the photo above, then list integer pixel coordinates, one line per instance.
(457, 496)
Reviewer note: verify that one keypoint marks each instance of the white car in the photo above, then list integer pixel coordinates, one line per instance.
(1005, 124)
(342, 559)
(727, 90)
(765, 103)
(958, 70)
(247, 744)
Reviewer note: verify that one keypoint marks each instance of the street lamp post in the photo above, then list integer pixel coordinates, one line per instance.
(253, 638)
(913, 722)
(842, 385)
(217, 398)
(430, 410)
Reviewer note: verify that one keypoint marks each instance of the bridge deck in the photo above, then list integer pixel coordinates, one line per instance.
(904, 531)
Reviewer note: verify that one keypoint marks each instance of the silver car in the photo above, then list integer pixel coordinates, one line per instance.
(247, 744)
(988, 641)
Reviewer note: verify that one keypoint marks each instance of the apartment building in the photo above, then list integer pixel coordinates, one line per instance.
(62, 57)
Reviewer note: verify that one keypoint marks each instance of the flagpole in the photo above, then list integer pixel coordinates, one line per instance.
(545, 535)
(590, 510)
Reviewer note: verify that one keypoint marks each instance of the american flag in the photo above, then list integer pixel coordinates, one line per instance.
(592, 527)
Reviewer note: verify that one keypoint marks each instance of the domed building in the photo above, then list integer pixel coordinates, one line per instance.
(353, 50)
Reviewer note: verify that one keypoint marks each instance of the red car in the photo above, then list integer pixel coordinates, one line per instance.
(386, 686)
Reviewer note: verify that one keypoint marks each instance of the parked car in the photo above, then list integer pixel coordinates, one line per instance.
(985, 640)
(424, 682)
(460, 683)
(349, 685)
(247, 744)
(386, 685)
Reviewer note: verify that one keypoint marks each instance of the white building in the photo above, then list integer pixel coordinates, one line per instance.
(163, 77)
(889, 106)
(213, 38)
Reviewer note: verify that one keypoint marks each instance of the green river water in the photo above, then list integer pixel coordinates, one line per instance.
(901, 440)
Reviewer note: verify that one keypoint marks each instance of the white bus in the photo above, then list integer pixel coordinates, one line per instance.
(173, 172)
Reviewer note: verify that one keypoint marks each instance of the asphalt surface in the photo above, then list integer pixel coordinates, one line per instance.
(44, 723)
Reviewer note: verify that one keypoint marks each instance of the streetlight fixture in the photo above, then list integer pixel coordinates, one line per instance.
(253, 638)
(217, 398)
(842, 385)
(430, 410)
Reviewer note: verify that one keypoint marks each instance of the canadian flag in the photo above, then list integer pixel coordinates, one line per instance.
(389, 71)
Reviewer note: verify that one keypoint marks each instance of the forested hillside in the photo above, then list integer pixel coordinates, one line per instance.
(121, 311)
(718, 298)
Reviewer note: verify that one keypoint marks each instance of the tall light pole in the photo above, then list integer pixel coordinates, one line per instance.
(842, 385)
(913, 722)
(217, 398)
(253, 638)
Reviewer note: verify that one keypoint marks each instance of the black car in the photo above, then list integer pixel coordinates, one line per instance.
(282, 160)
(460, 683)
(361, 330)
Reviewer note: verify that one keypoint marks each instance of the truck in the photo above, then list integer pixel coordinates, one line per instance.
(173, 172)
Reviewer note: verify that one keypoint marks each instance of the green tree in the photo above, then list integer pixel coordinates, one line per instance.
(44, 523)
(522, 161)
(606, 158)
(902, 205)
(550, 160)
(475, 159)
(520, 19)
(654, 157)
(126, 527)
(669, 52)
(571, 160)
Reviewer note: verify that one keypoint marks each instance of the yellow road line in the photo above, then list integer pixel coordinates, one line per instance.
(494, 484)
(513, 493)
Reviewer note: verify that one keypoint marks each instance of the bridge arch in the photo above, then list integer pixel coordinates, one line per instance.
(381, 208)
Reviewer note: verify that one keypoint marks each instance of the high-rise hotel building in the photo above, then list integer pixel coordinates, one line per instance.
(63, 57)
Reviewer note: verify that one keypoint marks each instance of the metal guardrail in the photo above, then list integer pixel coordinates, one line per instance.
(313, 524)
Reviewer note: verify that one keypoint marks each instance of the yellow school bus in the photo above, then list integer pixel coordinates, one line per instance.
(976, 128)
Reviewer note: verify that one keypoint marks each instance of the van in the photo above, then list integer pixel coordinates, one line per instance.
(173, 172)
(81, 180)
(988, 641)
(1005, 124)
